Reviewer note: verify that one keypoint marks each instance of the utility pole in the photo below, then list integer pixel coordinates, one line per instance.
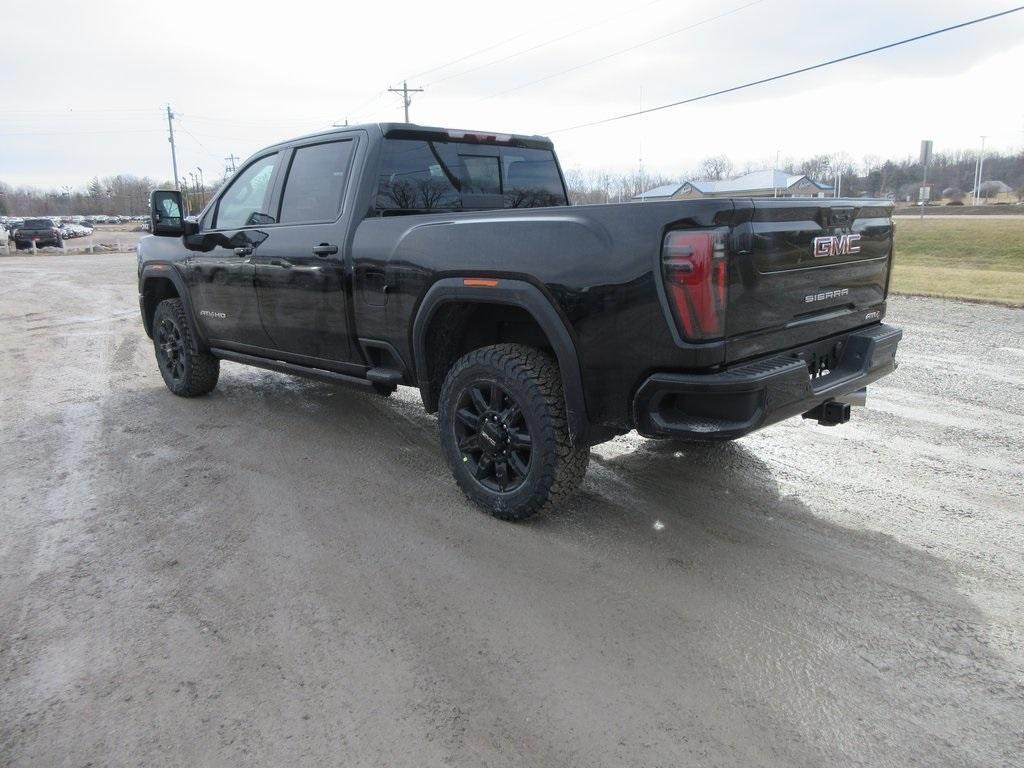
(405, 90)
(170, 138)
(229, 164)
(202, 188)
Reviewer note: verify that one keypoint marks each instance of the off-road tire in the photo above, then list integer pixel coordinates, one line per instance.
(529, 378)
(185, 372)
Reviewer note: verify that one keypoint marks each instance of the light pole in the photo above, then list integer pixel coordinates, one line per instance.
(926, 157)
(978, 166)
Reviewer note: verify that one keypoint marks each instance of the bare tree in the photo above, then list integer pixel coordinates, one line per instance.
(714, 168)
(599, 187)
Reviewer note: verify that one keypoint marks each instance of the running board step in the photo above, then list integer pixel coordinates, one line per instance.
(297, 370)
(389, 377)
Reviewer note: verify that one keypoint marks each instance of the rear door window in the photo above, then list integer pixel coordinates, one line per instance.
(316, 182)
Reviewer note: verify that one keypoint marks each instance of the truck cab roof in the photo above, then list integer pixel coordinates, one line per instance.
(431, 133)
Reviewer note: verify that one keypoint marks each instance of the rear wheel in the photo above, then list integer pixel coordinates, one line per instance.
(185, 372)
(504, 431)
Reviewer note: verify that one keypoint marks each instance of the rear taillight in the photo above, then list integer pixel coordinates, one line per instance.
(694, 267)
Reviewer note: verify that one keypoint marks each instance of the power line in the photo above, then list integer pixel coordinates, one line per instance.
(632, 11)
(489, 48)
(73, 111)
(79, 133)
(364, 105)
(358, 109)
(257, 123)
(621, 51)
(469, 55)
(764, 80)
(192, 136)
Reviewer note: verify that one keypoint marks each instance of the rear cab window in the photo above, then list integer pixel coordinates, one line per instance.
(429, 176)
(316, 182)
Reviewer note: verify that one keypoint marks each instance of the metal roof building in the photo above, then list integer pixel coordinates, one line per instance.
(768, 183)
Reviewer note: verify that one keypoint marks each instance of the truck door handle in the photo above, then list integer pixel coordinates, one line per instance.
(324, 249)
(245, 250)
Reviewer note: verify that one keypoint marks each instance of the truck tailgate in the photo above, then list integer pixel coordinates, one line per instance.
(806, 269)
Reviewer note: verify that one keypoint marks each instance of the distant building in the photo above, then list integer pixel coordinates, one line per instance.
(994, 192)
(770, 183)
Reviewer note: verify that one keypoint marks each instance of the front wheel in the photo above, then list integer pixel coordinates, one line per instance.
(185, 372)
(504, 431)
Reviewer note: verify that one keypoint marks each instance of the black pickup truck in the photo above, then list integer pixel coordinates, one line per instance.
(37, 233)
(394, 254)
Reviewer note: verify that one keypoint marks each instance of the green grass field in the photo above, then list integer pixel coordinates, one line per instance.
(973, 259)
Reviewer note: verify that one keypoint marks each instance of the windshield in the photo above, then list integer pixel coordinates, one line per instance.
(418, 176)
(37, 224)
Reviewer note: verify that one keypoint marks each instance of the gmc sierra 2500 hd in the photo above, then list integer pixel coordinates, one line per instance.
(389, 254)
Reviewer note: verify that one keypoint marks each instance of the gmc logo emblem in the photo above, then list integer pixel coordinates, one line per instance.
(836, 245)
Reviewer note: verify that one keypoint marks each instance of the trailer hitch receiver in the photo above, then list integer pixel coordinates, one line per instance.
(830, 413)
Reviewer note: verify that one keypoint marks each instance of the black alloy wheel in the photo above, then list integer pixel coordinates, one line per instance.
(170, 349)
(186, 371)
(493, 436)
(504, 431)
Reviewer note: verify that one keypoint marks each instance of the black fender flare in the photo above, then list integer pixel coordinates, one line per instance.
(516, 293)
(166, 271)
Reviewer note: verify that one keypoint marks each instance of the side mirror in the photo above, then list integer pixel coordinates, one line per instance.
(166, 213)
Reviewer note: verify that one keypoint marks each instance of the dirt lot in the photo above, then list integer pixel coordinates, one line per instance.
(283, 574)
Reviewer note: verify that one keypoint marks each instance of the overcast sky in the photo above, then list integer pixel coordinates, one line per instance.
(242, 75)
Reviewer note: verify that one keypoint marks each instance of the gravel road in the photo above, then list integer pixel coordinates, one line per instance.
(283, 574)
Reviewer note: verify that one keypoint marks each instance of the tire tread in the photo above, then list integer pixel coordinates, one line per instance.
(204, 367)
(537, 374)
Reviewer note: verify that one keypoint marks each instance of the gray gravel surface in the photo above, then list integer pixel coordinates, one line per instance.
(283, 573)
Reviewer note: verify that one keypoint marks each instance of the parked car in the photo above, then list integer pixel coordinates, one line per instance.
(68, 231)
(448, 260)
(38, 233)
